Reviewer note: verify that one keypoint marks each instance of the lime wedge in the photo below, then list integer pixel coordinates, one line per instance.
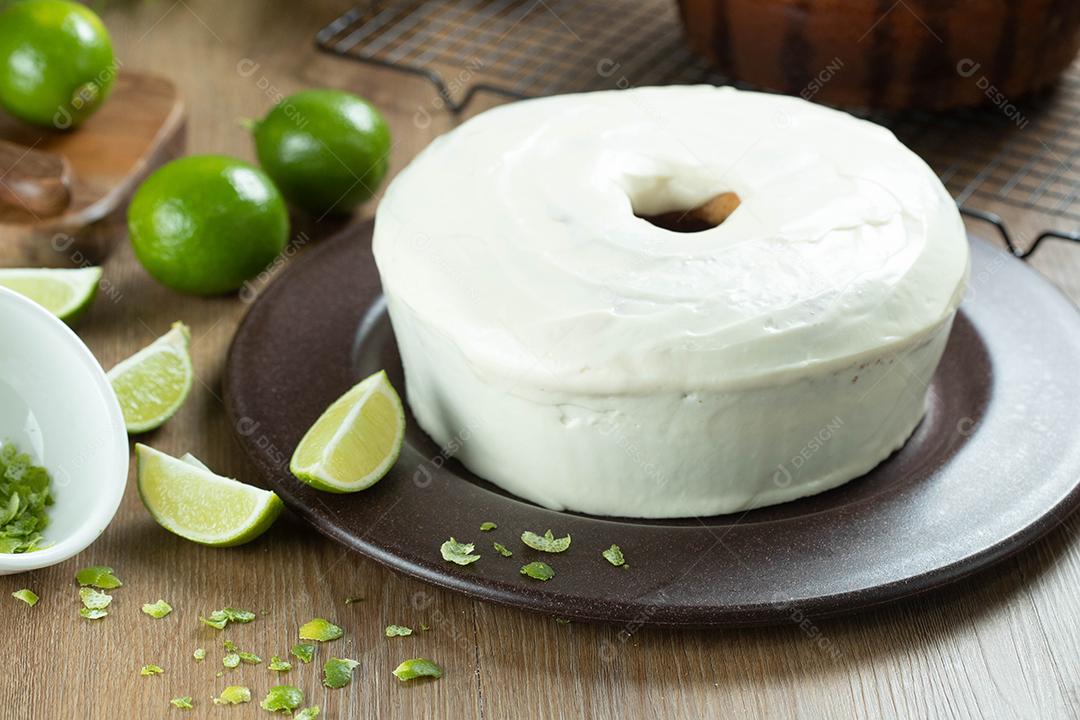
(355, 442)
(200, 506)
(67, 294)
(152, 384)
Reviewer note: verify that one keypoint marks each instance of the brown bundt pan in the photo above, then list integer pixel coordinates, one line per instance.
(931, 54)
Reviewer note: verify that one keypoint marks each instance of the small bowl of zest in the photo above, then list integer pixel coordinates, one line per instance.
(57, 406)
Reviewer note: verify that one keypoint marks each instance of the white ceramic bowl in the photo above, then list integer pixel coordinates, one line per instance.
(57, 405)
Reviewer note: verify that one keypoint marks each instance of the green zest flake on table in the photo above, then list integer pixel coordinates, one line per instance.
(488, 526)
(320, 629)
(424, 627)
(24, 495)
(337, 672)
(283, 698)
(157, 609)
(27, 595)
(199, 654)
(459, 553)
(98, 576)
(398, 631)
(279, 664)
(538, 571)
(614, 556)
(220, 618)
(235, 655)
(238, 616)
(148, 670)
(182, 703)
(94, 599)
(94, 602)
(503, 550)
(233, 695)
(302, 652)
(214, 621)
(415, 668)
(309, 713)
(351, 600)
(545, 543)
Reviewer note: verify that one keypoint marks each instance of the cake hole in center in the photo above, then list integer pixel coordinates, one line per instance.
(707, 215)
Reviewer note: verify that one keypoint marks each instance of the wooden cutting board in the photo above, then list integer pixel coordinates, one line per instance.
(63, 194)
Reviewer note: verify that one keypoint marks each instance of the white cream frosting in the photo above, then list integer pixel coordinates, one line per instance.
(511, 244)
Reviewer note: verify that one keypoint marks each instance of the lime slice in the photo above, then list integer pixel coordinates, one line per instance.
(152, 384)
(355, 442)
(67, 294)
(200, 506)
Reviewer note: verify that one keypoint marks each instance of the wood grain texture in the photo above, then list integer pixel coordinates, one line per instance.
(137, 130)
(1003, 644)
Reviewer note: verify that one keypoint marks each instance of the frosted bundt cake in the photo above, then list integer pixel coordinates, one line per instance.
(668, 302)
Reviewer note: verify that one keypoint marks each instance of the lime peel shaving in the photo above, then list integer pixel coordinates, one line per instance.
(24, 495)
(545, 543)
(99, 576)
(94, 599)
(27, 595)
(283, 698)
(157, 609)
(233, 695)
(303, 652)
(614, 556)
(538, 571)
(321, 630)
(416, 668)
(458, 552)
(220, 618)
(337, 672)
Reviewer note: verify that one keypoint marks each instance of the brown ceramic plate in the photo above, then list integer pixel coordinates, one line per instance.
(995, 465)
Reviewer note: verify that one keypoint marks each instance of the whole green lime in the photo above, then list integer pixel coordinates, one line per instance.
(56, 62)
(328, 150)
(204, 224)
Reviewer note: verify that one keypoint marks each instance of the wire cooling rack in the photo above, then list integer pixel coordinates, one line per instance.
(1025, 157)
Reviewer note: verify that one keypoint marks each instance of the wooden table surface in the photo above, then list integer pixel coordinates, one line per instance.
(1005, 643)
